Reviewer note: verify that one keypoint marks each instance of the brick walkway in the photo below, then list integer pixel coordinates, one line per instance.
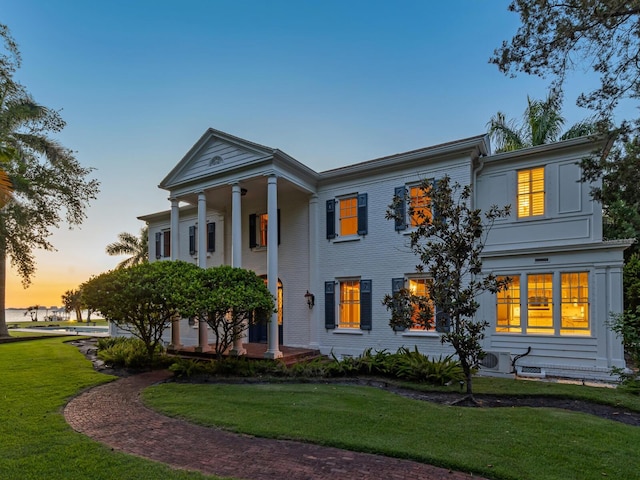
(113, 414)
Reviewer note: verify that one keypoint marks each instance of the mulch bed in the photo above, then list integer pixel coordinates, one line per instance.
(618, 414)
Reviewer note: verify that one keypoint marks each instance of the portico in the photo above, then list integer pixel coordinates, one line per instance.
(228, 181)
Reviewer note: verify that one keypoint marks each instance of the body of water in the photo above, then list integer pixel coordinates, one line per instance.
(15, 315)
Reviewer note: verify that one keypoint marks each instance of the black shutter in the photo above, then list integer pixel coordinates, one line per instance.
(158, 245)
(329, 305)
(252, 231)
(397, 284)
(278, 226)
(331, 219)
(434, 212)
(443, 321)
(366, 305)
(192, 240)
(401, 208)
(362, 214)
(211, 237)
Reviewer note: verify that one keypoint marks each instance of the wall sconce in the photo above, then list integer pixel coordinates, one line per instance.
(243, 192)
(310, 298)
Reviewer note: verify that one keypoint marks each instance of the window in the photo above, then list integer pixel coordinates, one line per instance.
(531, 192)
(418, 287)
(355, 305)
(259, 230)
(508, 307)
(349, 304)
(575, 303)
(419, 205)
(163, 244)
(352, 217)
(540, 303)
(211, 238)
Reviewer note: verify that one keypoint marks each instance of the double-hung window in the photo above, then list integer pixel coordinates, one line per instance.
(574, 300)
(418, 288)
(412, 205)
(351, 302)
(210, 238)
(347, 216)
(259, 229)
(531, 192)
(508, 307)
(163, 244)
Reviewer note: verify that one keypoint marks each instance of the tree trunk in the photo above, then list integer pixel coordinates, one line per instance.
(4, 332)
(469, 383)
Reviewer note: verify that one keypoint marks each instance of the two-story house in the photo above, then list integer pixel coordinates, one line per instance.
(324, 240)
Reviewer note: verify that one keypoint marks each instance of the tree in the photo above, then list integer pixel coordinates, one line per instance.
(49, 184)
(557, 37)
(542, 123)
(128, 244)
(73, 301)
(449, 244)
(142, 299)
(228, 299)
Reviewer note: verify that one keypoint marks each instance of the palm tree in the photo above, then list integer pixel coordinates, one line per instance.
(129, 244)
(542, 124)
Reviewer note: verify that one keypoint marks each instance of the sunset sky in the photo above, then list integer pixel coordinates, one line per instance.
(329, 82)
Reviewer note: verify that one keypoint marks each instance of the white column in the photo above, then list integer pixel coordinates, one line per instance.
(236, 226)
(203, 340)
(175, 227)
(175, 244)
(272, 264)
(314, 284)
(236, 250)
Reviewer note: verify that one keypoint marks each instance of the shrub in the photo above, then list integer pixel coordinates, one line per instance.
(414, 366)
(123, 352)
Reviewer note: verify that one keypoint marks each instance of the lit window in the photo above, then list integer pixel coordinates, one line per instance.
(508, 307)
(419, 205)
(263, 220)
(540, 303)
(418, 287)
(531, 192)
(349, 304)
(349, 216)
(575, 304)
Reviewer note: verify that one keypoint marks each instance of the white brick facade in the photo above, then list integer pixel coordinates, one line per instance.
(567, 238)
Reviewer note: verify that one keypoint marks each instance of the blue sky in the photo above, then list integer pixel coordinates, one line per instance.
(330, 82)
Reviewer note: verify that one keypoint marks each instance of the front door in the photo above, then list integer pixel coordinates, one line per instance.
(258, 332)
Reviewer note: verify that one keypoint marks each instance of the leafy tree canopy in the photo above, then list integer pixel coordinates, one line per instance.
(228, 299)
(128, 244)
(142, 299)
(558, 37)
(49, 184)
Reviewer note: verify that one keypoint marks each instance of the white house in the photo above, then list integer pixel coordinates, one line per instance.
(332, 244)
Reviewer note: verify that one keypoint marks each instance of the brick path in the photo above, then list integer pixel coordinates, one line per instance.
(113, 414)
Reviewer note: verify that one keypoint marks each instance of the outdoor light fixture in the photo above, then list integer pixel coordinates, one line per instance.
(310, 298)
(243, 192)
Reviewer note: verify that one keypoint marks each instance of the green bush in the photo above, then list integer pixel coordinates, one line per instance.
(124, 352)
(414, 366)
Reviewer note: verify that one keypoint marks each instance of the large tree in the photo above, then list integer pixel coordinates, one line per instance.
(558, 37)
(228, 299)
(449, 243)
(49, 184)
(143, 299)
(542, 123)
(128, 244)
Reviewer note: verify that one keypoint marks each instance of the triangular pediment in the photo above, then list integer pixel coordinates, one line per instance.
(214, 153)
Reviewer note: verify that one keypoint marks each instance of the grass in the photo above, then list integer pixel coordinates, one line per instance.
(37, 379)
(500, 443)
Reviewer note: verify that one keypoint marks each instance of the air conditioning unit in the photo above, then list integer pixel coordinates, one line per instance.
(497, 362)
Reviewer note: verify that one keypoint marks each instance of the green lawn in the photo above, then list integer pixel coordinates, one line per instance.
(501, 443)
(37, 379)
